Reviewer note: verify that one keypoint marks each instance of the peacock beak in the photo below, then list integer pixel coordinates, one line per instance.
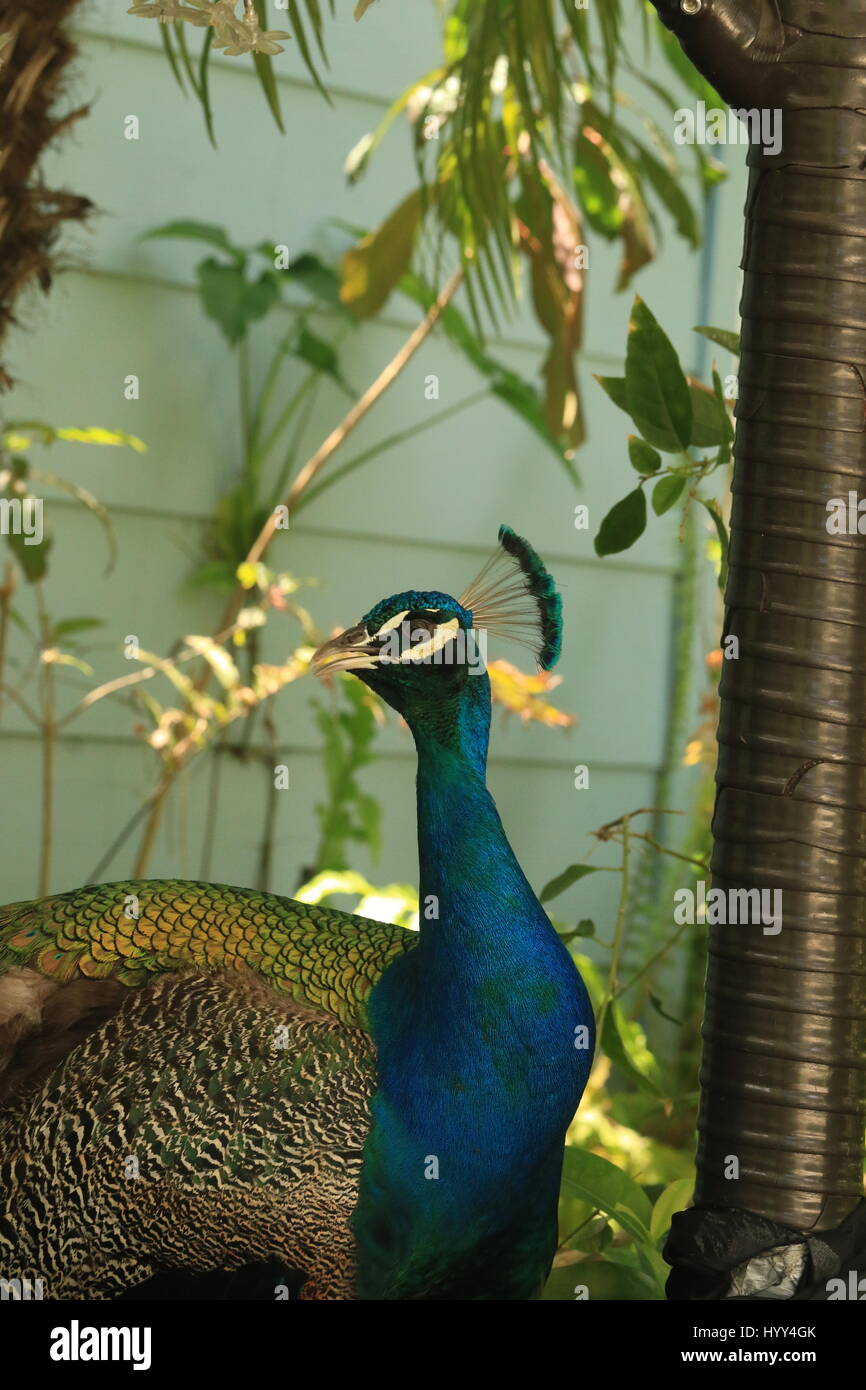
(351, 651)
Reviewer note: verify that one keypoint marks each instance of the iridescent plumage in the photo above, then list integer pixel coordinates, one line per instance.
(216, 1077)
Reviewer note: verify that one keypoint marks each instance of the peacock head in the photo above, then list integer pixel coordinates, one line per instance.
(424, 651)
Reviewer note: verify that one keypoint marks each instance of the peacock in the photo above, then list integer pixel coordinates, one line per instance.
(200, 1078)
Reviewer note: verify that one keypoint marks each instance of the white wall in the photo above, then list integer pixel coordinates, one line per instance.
(425, 516)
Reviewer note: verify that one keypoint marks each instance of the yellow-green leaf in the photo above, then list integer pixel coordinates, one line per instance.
(371, 269)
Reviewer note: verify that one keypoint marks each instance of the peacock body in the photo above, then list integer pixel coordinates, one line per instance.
(201, 1077)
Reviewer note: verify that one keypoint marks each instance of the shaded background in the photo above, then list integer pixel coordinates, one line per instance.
(423, 516)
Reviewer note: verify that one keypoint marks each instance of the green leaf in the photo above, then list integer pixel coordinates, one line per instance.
(722, 336)
(715, 512)
(676, 1197)
(615, 1046)
(68, 625)
(685, 68)
(371, 270)
(609, 1189)
(668, 189)
(308, 347)
(709, 419)
(656, 388)
(33, 559)
(615, 388)
(214, 574)
(203, 92)
(622, 526)
(666, 492)
(197, 231)
(300, 37)
(316, 278)
(265, 69)
(600, 197)
(565, 880)
(233, 301)
(585, 927)
(643, 456)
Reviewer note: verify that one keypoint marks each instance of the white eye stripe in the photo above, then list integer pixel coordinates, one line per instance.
(391, 624)
(445, 632)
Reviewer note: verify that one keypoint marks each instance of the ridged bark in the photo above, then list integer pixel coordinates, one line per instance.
(784, 1068)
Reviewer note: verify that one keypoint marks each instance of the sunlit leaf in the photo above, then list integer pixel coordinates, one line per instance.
(715, 512)
(676, 1197)
(51, 656)
(521, 692)
(608, 1189)
(600, 197)
(95, 434)
(372, 269)
(217, 659)
(619, 1047)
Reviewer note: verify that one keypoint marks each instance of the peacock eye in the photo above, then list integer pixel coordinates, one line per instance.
(421, 627)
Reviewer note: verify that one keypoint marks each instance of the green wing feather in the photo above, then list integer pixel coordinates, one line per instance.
(133, 931)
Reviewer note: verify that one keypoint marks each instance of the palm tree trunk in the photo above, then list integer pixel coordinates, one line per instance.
(784, 1068)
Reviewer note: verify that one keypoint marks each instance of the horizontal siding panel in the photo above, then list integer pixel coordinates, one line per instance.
(614, 664)
(454, 483)
(99, 790)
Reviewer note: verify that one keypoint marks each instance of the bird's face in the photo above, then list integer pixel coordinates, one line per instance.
(413, 647)
(420, 650)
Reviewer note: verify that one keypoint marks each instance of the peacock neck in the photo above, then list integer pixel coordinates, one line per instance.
(470, 881)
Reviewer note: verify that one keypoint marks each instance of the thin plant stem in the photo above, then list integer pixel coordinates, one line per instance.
(301, 424)
(6, 591)
(390, 443)
(49, 732)
(153, 821)
(353, 418)
(648, 964)
(310, 470)
(246, 408)
(613, 974)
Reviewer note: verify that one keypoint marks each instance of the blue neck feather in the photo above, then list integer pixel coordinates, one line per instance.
(476, 1033)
